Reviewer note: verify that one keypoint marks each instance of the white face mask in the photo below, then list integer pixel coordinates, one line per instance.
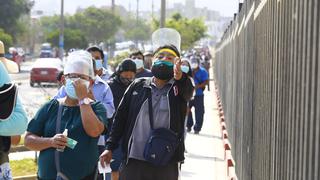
(139, 63)
(194, 65)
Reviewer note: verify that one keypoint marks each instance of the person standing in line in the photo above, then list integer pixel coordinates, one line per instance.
(147, 60)
(83, 120)
(168, 91)
(201, 79)
(119, 83)
(13, 118)
(138, 58)
(98, 56)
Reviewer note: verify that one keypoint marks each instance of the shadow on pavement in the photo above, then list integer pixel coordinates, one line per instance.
(184, 173)
(197, 156)
(207, 136)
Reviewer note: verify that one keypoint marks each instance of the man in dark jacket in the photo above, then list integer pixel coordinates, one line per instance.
(170, 89)
(118, 83)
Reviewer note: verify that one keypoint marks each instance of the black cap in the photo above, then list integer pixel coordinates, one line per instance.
(127, 65)
(8, 96)
(96, 48)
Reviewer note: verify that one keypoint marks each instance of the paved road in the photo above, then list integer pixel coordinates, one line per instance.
(32, 98)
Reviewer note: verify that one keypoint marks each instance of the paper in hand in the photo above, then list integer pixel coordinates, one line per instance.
(106, 169)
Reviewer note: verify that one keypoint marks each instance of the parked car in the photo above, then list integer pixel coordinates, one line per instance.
(45, 70)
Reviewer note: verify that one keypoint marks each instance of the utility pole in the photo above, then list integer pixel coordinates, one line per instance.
(137, 10)
(163, 14)
(152, 9)
(61, 36)
(112, 6)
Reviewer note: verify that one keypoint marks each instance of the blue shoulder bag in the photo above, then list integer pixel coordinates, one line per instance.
(161, 144)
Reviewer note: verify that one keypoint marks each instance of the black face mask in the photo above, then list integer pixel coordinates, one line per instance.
(125, 81)
(162, 71)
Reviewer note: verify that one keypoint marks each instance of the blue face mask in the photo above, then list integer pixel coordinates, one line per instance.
(70, 90)
(99, 64)
(139, 63)
(185, 69)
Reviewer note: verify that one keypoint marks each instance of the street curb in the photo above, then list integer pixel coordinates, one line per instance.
(29, 177)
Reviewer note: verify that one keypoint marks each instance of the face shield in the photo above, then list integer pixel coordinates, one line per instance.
(166, 36)
(79, 62)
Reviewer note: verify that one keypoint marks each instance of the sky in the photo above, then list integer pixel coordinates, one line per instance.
(225, 7)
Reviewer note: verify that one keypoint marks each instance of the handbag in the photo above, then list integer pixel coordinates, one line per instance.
(161, 144)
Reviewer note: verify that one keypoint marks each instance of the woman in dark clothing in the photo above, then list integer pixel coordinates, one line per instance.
(118, 83)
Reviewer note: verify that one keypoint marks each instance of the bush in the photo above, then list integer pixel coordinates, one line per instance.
(6, 39)
(23, 167)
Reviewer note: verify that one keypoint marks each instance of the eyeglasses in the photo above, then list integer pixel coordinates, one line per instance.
(76, 77)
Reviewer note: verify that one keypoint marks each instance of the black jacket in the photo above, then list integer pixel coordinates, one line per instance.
(118, 89)
(179, 94)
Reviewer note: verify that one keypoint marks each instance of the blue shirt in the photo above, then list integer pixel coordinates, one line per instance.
(101, 92)
(75, 163)
(17, 122)
(199, 77)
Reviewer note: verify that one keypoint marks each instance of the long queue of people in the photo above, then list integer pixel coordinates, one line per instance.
(133, 120)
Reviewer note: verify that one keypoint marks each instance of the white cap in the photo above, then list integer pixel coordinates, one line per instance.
(166, 36)
(79, 62)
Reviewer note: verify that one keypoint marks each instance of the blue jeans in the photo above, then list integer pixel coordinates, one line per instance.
(198, 104)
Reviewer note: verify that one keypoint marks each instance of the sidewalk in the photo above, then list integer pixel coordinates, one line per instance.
(204, 157)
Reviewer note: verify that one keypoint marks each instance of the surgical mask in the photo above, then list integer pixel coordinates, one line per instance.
(194, 65)
(139, 63)
(162, 69)
(99, 64)
(185, 69)
(125, 81)
(70, 90)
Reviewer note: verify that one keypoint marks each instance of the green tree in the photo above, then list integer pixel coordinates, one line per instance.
(99, 25)
(115, 61)
(191, 30)
(136, 30)
(10, 13)
(72, 39)
(6, 39)
(50, 24)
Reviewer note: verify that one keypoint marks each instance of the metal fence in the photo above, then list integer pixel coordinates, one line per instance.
(267, 71)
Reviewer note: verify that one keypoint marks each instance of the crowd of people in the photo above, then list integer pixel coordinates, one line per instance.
(134, 119)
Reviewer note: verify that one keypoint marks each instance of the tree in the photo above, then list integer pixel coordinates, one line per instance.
(10, 12)
(191, 30)
(136, 30)
(72, 39)
(6, 39)
(99, 25)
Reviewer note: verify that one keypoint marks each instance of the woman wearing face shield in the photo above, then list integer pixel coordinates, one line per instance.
(83, 119)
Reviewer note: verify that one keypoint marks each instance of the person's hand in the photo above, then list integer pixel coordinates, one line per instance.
(90, 94)
(81, 89)
(105, 158)
(177, 69)
(58, 141)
